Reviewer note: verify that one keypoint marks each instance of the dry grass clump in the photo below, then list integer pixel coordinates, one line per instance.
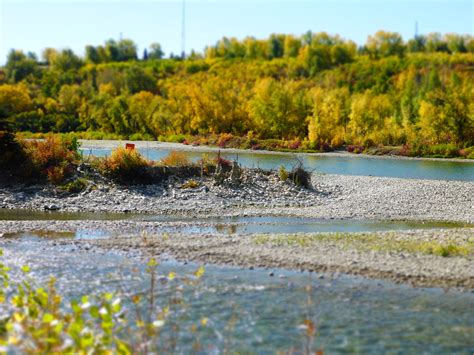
(175, 159)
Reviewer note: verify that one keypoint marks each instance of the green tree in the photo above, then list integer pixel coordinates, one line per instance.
(66, 60)
(19, 66)
(384, 44)
(155, 51)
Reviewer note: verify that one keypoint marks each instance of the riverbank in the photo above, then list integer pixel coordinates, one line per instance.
(400, 256)
(332, 197)
(422, 258)
(111, 144)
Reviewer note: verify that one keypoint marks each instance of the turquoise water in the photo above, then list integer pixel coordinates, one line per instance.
(331, 164)
(251, 312)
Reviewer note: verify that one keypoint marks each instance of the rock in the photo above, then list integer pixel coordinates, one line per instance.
(52, 207)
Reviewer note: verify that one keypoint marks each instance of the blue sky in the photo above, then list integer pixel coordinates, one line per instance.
(34, 25)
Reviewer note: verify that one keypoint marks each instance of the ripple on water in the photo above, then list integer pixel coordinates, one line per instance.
(255, 312)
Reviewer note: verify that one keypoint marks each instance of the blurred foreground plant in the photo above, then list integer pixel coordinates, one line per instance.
(38, 321)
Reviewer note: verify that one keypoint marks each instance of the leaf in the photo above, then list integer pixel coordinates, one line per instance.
(171, 276)
(204, 321)
(48, 318)
(94, 312)
(25, 269)
(199, 272)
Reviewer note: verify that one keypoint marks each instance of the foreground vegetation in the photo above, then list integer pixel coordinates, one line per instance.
(37, 320)
(315, 92)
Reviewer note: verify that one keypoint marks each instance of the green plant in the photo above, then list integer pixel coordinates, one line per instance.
(282, 173)
(38, 321)
(75, 186)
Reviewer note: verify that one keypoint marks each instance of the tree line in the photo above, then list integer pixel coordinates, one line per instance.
(318, 88)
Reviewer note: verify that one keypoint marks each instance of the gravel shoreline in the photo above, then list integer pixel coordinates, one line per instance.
(333, 197)
(263, 194)
(329, 254)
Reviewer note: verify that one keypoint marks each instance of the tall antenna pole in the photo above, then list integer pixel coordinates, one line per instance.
(416, 29)
(183, 32)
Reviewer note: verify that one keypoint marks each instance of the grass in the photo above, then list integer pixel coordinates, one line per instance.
(372, 241)
(75, 186)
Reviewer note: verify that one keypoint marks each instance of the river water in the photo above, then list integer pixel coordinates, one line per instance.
(251, 311)
(329, 163)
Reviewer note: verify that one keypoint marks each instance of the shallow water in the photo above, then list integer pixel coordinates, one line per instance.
(249, 311)
(228, 225)
(285, 225)
(330, 164)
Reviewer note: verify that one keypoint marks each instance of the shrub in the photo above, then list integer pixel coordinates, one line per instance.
(176, 159)
(123, 164)
(11, 152)
(53, 157)
(141, 137)
(222, 162)
(295, 144)
(224, 139)
(173, 138)
(467, 152)
(300, 177)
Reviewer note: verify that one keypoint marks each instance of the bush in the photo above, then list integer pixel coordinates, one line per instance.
(123, 164)
(467, 152)
(175, 159)
(173, 138)
(11, 152)
(300, 177)
(141, 137)
(53, 158)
